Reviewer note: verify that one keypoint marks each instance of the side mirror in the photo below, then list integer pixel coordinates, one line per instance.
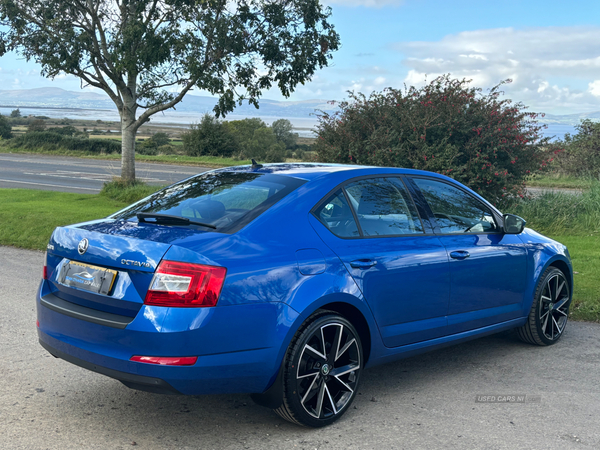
(513, 224)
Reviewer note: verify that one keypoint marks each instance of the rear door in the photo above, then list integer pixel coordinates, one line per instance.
(402, 270)
(488, 268)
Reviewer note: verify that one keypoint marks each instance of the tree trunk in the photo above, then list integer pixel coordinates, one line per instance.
(128, 132)
(127, 151)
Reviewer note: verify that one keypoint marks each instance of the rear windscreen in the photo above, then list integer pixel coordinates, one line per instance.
(226, 200)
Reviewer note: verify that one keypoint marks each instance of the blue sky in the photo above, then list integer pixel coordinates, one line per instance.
(551, 49)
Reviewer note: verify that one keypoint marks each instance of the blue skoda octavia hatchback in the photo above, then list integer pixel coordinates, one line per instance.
(286, 281)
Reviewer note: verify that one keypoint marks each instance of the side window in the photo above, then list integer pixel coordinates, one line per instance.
(384, 207)
(335, 214)
(456, 211)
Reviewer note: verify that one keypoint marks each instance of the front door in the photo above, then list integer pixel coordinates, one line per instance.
(488, 268)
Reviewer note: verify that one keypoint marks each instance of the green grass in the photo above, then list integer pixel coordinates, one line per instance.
(562, 213)
(127, 193)
(27, 217)
(585, 255)
(560, 181)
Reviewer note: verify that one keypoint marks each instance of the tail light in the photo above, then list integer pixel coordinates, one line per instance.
(185, 285)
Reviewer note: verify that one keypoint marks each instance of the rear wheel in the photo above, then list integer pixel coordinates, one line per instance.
(550, 310)
(321, 371)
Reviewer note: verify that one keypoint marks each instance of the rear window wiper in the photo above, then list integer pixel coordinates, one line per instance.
(167, 219)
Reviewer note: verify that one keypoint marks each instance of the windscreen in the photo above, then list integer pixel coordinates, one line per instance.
(225, 200)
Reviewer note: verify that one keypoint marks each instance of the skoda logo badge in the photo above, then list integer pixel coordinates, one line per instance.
(83, 246)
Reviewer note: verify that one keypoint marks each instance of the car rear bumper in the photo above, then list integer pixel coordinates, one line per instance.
(239, 348)
(131, 380)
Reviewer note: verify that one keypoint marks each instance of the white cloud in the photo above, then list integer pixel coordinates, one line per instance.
(594, 88)
(538, 60)
(367, 3)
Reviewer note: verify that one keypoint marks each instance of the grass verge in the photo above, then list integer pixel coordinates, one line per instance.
(214, 162)
(127, 193)
(28, 217)
(560, 181)
(585, 255)
(560, 213)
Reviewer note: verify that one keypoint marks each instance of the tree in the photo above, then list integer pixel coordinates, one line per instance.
(209, 138)
(447, 126)
(284, 131)
(5, 128)
(581, 155)
(148, 54)
(159, 139)
(36, 125)
(264, 146)
(15, 113)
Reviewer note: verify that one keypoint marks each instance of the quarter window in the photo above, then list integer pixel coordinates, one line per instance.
(456, 211)
(335, 214)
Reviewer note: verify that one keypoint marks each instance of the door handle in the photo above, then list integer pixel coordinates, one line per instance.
(363, 263)
(460, 254)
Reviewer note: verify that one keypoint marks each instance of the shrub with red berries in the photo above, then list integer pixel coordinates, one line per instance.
(488, 143)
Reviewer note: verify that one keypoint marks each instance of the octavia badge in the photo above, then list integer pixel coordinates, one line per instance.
(83, 246)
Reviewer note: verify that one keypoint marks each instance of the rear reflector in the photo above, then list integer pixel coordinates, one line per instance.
(179, 284)
(45, 272)
(166, 361)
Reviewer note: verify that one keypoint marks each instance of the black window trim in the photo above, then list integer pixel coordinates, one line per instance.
(427, 230)
(436, 230)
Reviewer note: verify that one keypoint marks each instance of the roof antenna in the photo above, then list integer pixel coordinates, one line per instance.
(255, 165)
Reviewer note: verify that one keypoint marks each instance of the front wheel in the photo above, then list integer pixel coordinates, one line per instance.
(321, 371)
(550, 310)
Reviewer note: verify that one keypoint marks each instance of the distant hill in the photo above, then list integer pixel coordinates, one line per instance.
(193, 106)
(60, 98)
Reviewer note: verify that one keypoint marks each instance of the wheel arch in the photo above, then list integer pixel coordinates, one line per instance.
(566, 269)
(357, 319)
(348, 306)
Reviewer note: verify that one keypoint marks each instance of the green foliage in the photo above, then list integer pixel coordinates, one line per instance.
(210, 137)
(69, 130)
(264, 147)
(555, 212)
(160, 139)
(15, 113)
(581, 155)
(36, 125)
(243, 131)
(245, 139)
(51, 141)
(5, 128)
(283, 130)
(127, 192)
(489, 144)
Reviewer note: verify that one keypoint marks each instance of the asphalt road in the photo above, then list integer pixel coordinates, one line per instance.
(69, 174)
(425, 402)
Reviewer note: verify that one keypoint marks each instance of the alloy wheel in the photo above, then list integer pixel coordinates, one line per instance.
(554, 306)
(328, 370)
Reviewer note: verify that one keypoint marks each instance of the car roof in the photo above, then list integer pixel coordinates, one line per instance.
(311, 171)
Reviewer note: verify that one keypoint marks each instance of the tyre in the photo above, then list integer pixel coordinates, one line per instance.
(321, 371)
(550, 310)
